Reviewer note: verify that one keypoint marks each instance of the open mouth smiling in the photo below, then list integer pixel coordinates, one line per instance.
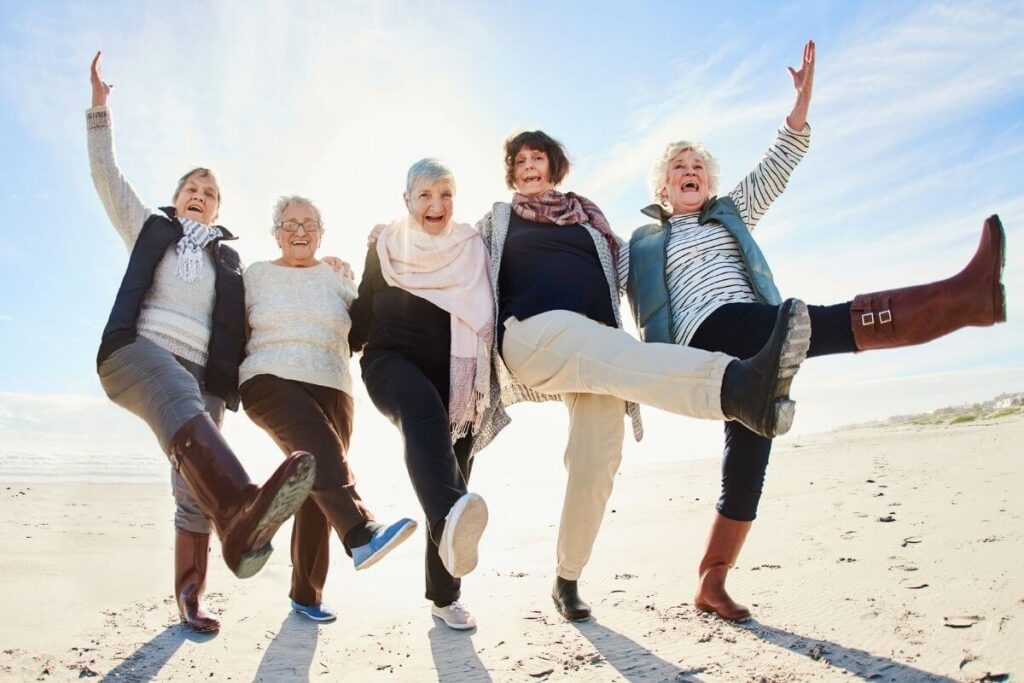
(690, 186)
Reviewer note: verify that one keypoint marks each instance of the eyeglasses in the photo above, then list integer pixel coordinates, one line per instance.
(293, 226)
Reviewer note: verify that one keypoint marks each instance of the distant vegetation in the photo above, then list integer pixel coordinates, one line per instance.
(1002, 406)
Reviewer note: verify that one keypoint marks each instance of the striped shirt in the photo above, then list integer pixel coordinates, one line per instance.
(704, 268)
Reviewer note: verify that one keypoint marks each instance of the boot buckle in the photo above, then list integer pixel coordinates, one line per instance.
(884, 317)
(867, 319)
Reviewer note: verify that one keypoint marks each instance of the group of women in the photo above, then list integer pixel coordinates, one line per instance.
(454, 324)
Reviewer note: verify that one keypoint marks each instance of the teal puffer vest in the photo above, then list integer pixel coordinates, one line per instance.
(647, 287)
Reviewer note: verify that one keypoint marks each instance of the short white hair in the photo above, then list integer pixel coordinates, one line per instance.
(659, 174)
(429, 170)
(287, 200)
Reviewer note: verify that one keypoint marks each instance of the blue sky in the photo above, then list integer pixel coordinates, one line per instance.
(916, 120)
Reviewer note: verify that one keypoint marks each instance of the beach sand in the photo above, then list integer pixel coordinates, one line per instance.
(883, 554)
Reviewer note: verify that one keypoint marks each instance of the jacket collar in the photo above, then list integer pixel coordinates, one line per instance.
(225, 233)
(659, 212)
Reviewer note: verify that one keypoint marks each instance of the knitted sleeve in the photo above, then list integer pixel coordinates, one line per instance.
(126, 211)
(762, 186)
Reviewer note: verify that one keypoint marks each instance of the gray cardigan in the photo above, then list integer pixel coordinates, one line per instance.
(506, 389)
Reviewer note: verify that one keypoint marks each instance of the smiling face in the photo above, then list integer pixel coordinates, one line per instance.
(687, 185)
(430, 204)
(298, 248)
(531, 172)
(198, 197)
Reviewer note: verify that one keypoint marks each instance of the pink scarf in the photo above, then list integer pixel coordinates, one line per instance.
(450, 271)
(565, 209)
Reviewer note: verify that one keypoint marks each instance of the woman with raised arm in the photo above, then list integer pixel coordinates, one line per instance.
(554, 263)
(424, 321)
(170, 353)
(295, 384)
(697, 278)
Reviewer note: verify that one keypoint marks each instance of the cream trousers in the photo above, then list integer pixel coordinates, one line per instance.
(598, 368)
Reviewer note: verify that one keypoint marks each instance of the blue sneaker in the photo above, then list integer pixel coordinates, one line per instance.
(319, 612)
(383, 542)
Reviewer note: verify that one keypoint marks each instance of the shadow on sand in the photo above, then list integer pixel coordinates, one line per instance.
(633, 661)
(455, 657)
(290, 653)
(859, 663)
(145, 663)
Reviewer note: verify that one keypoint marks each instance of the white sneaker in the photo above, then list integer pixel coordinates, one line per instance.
(454, 616)
(462, 530)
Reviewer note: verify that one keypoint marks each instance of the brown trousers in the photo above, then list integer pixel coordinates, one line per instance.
(308, 417)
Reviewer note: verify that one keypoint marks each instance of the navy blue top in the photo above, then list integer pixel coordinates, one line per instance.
(551, 268)
(388, 319)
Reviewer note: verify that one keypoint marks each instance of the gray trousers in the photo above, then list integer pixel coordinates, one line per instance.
(166, 392)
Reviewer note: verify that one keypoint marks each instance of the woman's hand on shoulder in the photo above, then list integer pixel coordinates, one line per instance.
(371, 239)
(340, 266)
(100, 88)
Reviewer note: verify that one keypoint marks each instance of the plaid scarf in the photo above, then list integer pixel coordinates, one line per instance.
(565, 209)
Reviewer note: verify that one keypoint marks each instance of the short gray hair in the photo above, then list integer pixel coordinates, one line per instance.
(287, 200)
(430, 170)
(659, 174)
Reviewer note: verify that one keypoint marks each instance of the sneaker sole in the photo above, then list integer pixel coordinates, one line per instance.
(319, 620)
(999, 309)
(404, 533)
(794, 351)
(465, 525)
(457, 627)
(290, 497)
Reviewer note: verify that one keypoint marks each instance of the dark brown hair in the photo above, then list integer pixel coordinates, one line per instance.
(558, 160)
(199, 171)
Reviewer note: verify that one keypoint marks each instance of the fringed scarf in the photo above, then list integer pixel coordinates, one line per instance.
(190, 248)
(565, 209)
(450, 271)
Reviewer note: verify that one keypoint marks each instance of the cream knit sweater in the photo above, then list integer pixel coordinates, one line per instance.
(176, 315)
(299, 324)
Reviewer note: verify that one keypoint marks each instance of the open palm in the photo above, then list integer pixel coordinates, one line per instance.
(803, 80)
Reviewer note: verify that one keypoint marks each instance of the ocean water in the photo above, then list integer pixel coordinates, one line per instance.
(86, 466)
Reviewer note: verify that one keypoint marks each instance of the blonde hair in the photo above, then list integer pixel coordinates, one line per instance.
(659, 174)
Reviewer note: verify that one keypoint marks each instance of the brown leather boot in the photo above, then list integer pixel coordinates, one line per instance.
(244, 515)
(191, 552)
(914, 315)
(724, 544)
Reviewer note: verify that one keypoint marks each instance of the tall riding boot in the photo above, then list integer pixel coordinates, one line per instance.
(914, 315)
(244, 515)
(191, 552)
(724, 544)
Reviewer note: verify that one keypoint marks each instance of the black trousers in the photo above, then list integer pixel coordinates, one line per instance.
(439, 470)
(741, 329)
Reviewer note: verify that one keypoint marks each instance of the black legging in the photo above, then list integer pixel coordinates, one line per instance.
(741, 329)
(418, 405)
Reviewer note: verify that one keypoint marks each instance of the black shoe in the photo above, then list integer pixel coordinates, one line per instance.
(567, 599)
(755, 391)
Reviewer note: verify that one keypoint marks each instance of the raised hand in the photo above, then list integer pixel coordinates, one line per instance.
(803, 83)
(100, 89)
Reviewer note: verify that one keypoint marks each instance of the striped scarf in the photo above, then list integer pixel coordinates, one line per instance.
(190, 248)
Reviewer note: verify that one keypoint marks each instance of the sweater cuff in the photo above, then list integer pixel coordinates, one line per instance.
(97, 117)
(805, 132)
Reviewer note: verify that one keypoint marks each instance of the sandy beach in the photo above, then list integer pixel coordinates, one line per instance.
(883, 554)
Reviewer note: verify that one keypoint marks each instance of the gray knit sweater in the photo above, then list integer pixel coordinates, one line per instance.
(176, 315)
